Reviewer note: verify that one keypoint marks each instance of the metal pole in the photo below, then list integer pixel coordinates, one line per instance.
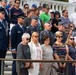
(66, 69)
(2, 67)
(18, 68)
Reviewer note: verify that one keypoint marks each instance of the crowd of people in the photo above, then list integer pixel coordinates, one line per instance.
(37, 33)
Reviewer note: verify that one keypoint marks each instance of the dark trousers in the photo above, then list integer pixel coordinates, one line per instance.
(14, 65)
(71, 69)
(23, 71)
(2, 55)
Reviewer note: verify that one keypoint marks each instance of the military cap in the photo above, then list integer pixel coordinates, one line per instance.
(2, 10)
(34, 17)
(21, 16)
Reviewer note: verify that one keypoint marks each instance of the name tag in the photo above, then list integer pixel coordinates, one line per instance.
(19, 32)
(0, 27)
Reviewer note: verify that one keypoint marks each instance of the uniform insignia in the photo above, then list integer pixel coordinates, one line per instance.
(0, 27)
(19, 32)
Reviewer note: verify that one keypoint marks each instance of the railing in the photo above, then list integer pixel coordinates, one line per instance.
(28, 60)
(54, 5)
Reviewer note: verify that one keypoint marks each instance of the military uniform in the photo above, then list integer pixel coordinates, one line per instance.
(3, 37)
(31, 29)
(16, 34)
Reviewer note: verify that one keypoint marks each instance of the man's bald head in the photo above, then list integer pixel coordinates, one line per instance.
(47, 26)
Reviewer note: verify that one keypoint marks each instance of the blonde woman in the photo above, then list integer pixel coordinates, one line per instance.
(36, 53)
(60, 51)
(72, 54)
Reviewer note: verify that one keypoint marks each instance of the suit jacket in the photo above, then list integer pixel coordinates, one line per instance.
(31, 29)
(16, 34)
(3, 36)
(46, 33)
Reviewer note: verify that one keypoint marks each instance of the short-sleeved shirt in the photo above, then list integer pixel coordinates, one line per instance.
(55, 21)
(44, 17)
(60, 50)
(65, 21)
(47, 52)
(14, 13)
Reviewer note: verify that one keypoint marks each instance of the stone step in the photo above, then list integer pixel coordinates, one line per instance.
(9, 63)
(9, 54)
(9, 68)
(7, 72)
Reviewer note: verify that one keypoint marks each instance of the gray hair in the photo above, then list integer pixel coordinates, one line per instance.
(47, 23)
(25, 35)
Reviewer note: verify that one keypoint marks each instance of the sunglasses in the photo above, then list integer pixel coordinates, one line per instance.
(66, 12)
(26, 7)
(17, 2)
(27, 38)
(71, 38)
(36, 36)
(71, 26)
(3, 13)
(22, 18)
(59, 36)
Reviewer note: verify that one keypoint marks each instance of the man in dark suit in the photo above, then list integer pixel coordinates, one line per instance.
(34, 25)
(16, 33)
(47, 32)
(3, 5)
(3, 35)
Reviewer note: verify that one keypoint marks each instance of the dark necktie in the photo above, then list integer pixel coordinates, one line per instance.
(23, 29)
(3, 23)
(49, 32)
(5, 27)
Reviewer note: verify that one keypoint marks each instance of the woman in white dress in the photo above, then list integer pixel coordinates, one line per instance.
(36, 53)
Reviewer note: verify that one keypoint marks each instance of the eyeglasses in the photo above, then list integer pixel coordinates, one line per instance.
(27, 38)
(26, 7)
(23, 18)
(59, 36)
(3, 13)
(47, 40)
(36, 36)
(71, 38)
(66, 12)
(17, 2)
(71, 26)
